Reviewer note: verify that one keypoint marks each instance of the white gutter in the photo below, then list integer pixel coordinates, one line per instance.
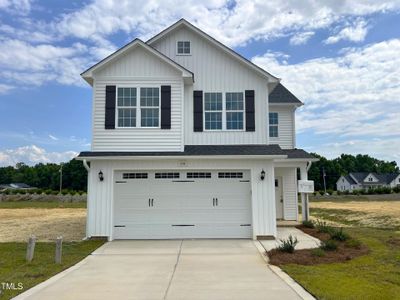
(85, 164)
(183, 157)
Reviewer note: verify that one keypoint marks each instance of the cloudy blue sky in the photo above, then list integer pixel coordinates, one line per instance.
(342, 58)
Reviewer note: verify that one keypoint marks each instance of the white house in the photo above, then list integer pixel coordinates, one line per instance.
(364, 180)
(190, 140)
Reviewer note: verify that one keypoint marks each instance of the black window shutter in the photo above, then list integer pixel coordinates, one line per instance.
(250, 119)
(110, 107)
(197, 111)
(165, 107)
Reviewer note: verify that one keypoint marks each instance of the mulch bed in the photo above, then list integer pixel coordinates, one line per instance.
(306, 257)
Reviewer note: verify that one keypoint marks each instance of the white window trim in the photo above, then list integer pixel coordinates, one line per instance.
(275, 125)
(224, 111)
(184, 54)
(138, 106)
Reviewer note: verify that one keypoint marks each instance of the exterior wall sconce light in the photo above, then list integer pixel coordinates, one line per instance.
(262, 177)
(101, 176)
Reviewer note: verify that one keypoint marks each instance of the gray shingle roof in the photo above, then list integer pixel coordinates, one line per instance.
(384, 178)
(350, 179)
(200, 150)
(281, 95)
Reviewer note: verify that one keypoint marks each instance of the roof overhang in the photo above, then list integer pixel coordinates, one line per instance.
(181, 157)
(272, 80)
(88, 74)
(297, 105)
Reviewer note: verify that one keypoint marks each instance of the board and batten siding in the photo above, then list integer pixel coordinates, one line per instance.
(216, 71)
(286, 127)
(289, 182)
(101, 193)
(137, 69)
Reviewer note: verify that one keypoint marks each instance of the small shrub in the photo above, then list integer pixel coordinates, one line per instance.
(339, 193)
(64, 192)
(329, 245)
(7, 192)
(48, 192)
(321, 193)
(22, 192)
(323, 227)
(38, 191)
(353, 243)
(396, 189)
(318, 252)
(54, 192)
(339, 235)
(288, 245)
(329, 191)
(346, 192)
(308, 224)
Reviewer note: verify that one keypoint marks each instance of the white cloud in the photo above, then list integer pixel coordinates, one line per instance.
(19, 7)
(354, 33)
(4, 88)
(247, 20)
(301, 38)
(32, 155)
(353, 96)
(53, 137)
(38, 64)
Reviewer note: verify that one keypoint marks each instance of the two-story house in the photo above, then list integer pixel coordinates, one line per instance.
(364, 181)
(190, 140)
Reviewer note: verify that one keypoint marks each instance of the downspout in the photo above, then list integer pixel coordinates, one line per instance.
(85, 164)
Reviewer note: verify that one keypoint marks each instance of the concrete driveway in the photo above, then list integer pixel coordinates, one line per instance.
(171, 269)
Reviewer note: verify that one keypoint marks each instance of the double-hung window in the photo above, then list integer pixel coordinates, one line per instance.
(126, 107)
(134, 113)
(273, 124)
(213, 111)
(234, 111)
(149, 107)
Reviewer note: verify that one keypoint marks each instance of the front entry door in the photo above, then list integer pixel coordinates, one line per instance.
(278, 198)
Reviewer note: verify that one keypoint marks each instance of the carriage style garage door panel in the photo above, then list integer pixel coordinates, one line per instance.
(182, 204)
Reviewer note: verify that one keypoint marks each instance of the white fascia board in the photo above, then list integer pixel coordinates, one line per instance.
(286, 104)
(88, 74)
(271, 78)
(183, 157)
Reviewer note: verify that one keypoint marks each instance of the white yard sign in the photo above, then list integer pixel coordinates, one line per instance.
(306, 186)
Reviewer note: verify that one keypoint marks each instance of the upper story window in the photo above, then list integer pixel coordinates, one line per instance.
(370, 179)
(149, 107)
(183, 48)
(224, 111)
(213, 111)
(273, 124)
(134, 113)
(234, 111)
(126, 103)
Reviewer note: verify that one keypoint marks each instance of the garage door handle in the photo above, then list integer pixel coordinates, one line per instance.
(216, 201)
(213, 201)
(152, 202)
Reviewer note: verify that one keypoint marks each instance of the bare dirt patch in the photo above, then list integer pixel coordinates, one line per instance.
(366, 213)
(46, 224)
(343, 253)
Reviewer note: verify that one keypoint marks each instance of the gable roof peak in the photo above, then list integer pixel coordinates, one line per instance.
(273, 80)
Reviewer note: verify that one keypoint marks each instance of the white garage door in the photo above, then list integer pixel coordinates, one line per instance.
(182, 204)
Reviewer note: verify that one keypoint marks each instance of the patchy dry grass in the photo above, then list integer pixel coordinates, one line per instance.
(377, 214)
(16, 225)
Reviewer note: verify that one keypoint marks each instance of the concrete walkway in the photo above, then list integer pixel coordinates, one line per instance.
(305, 241)
(173, 269)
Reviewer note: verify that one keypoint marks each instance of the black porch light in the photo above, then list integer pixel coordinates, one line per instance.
(101, 176)
(262, 177)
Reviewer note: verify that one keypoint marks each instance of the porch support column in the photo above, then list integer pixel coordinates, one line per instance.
(305, 211)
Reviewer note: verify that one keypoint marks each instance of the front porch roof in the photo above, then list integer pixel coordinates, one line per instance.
(257, 151)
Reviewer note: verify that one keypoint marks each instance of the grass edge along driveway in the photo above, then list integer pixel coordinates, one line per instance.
(373, 276)
(14, 269)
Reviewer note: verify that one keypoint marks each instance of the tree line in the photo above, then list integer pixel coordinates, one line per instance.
(47, 176)
(344, 164)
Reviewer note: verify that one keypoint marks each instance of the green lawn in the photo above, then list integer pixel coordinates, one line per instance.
(37, 204)
(14, 268)
(373, 276)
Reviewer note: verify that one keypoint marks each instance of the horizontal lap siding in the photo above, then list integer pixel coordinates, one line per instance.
(137, 139)
(137, 68)
(216, 71)
(285, 127)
